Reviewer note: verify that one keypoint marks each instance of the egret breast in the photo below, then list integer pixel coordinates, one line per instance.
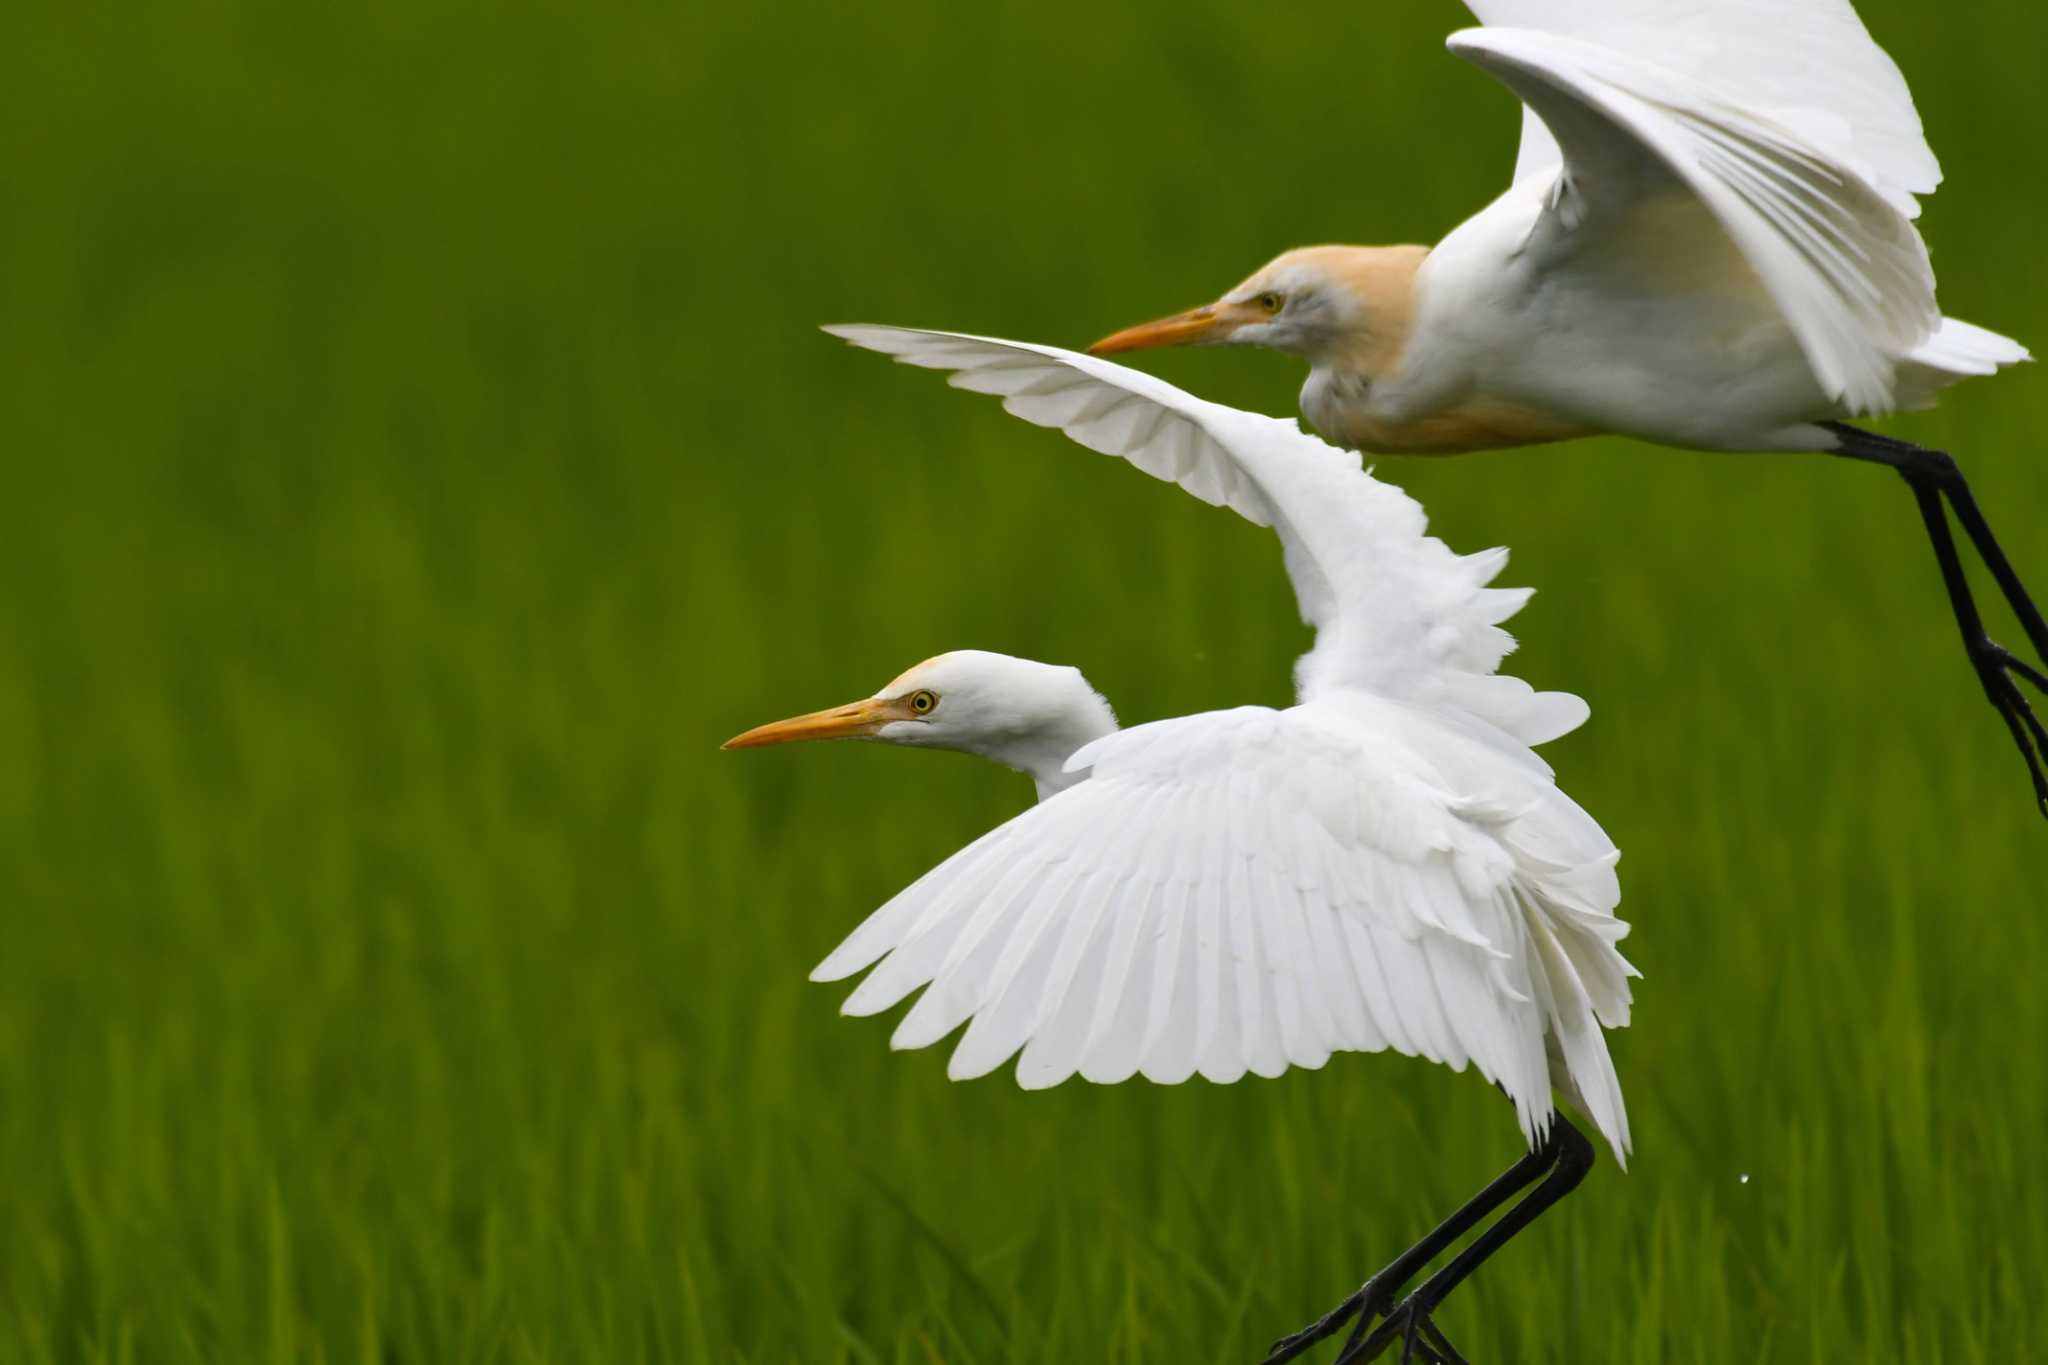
(1341, 410)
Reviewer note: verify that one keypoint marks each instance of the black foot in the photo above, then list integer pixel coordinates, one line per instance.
(1410, 1324)
(1996, 668)
(1935, 479)
(1559, 1161)
(1368, 1303)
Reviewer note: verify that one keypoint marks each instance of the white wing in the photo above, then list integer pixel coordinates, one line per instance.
(1807, 65)
(1395, 611)
(1780, 119)
(1252, 889)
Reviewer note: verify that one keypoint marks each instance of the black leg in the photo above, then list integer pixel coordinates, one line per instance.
(1376, 1295)
(1410, 1321)
(1979, 531)
(1933, 476)
(1447, 1354)
(1992, 661)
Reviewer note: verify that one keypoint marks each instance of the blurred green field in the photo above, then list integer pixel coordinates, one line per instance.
(418, 457)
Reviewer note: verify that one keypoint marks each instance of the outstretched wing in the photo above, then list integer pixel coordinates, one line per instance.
(1782, 124)
(1807, 65)
(1251, 890)
(1395, 611)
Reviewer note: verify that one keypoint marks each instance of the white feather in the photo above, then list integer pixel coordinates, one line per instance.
(1807, 65)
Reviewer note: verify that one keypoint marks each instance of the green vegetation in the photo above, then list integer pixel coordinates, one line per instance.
(418, 457)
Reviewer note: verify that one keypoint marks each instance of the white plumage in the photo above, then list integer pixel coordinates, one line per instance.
(1782, 123)
(1819, 206)
(1384, 864)
(1709, 241)
(1806, 65)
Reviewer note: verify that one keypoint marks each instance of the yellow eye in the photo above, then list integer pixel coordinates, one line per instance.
(921, 703)
(1270, 302)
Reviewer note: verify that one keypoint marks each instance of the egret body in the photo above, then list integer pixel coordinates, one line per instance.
(1385, 864)
(1708, 243)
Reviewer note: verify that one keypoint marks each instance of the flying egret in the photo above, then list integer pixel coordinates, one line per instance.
(1708, 243)
(1384, 864)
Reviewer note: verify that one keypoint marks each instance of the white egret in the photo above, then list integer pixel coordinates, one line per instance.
(1708, 243)
(1384, 864)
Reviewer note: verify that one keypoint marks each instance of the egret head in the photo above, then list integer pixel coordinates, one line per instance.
(1314, 302)
(1025, 715)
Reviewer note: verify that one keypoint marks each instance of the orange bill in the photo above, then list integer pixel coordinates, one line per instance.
(1211, 322)
(851, 721)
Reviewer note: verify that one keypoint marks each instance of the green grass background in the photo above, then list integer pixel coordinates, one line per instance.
(418, 457)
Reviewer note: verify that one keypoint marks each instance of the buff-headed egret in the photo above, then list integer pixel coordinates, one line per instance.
(1709, 242)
